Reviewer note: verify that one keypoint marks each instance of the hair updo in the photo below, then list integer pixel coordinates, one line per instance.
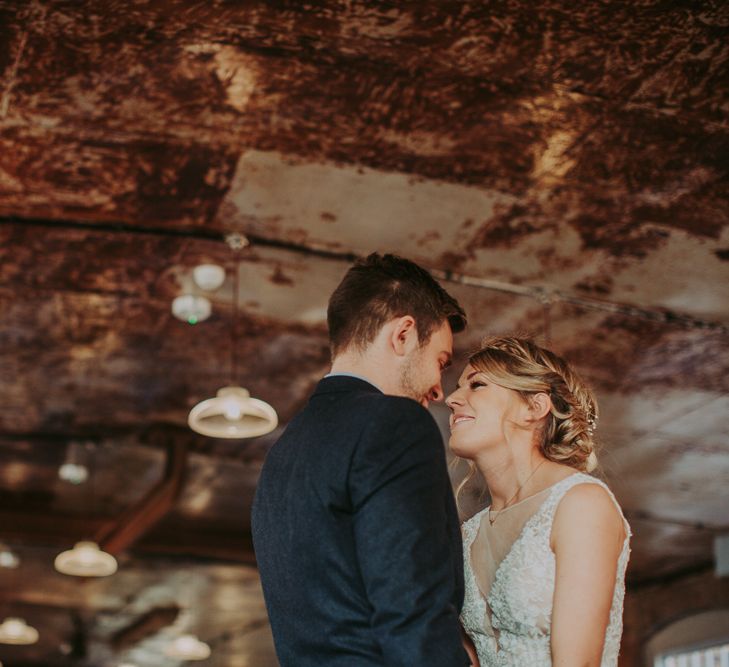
(521, 365)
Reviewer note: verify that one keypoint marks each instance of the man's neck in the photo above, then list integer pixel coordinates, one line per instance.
(369, 368)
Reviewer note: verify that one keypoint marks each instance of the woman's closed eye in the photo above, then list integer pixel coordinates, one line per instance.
(475, 384)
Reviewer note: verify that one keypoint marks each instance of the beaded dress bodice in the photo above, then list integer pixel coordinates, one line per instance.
(509, 582)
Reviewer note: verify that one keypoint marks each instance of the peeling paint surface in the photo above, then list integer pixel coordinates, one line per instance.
(563, 170)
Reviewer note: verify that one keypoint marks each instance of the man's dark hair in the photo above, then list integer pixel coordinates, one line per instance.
(381, 287)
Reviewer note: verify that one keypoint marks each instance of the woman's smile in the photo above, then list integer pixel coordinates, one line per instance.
(459, 418)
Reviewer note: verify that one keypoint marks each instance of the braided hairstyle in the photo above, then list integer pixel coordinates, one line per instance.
(521, 365)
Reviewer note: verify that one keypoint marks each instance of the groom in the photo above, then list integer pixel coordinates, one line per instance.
(354, 523)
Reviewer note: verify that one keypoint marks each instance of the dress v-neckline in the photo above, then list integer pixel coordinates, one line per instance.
(478, 517)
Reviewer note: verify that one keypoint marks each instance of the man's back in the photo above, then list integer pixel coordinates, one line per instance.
(356, 534)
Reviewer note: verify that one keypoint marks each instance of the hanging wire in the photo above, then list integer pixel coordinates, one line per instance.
(236, 242)
(91, 454)
(234, 325)
(547, 316)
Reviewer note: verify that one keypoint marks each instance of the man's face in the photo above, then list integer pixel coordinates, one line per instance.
(421, 371)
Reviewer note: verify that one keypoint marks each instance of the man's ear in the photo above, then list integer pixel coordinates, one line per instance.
(403, 335)
(540, 405)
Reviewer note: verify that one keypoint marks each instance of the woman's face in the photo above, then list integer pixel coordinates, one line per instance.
(483, 414)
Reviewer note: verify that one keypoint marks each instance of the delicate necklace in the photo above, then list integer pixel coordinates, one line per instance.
(521, 486)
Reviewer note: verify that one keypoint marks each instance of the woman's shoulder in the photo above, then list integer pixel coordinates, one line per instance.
(583, 490)
(587, 504)
(565, 479)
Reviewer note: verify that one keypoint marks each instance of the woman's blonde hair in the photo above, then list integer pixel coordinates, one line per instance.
(521, 365)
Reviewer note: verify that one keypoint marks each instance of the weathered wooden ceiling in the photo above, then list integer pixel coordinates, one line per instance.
(563, 169)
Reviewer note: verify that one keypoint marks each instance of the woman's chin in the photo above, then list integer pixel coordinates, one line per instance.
(459, 451)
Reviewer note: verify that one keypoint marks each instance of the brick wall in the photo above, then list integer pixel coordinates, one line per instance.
(650, 608)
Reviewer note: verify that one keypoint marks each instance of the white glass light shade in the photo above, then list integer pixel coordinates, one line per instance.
(187, 647)
(74, 469)
(8, 558)
(208, 276)
(232, 414)
(86, 560)
(191, 309)
(17, 631)
(75, 473)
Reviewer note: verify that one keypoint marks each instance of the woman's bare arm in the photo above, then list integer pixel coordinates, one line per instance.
(587, 538)
(470, 649)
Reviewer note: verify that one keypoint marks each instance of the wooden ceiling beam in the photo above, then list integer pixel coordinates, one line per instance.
(145, 626)
(138, 519)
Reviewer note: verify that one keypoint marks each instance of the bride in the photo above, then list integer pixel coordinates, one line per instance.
(545, 562)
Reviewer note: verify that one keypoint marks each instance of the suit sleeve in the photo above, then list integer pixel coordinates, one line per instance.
(408, 551)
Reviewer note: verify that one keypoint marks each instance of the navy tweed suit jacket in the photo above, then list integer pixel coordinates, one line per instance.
(357, 537)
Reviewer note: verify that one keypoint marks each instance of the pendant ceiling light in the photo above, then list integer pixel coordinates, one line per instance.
(74, 469)
(15, 630)
(208, 276)
(86, 560)
(8, 558)
(233, 413)
(191, 309)
(187, 647)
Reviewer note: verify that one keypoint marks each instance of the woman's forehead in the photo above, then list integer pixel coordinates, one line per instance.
(469, 370)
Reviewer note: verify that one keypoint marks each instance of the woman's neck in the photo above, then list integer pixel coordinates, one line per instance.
(511, 475)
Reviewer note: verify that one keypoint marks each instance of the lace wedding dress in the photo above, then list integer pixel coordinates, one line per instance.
(509, 572)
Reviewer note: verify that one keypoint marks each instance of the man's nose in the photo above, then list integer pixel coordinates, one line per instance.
(436, 393)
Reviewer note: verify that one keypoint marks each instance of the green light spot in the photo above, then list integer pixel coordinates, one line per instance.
(192, 319)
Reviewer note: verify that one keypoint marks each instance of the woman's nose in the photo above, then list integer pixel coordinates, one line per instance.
(453, 400)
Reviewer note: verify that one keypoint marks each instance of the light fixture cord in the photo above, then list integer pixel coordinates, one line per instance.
(547, 316)
(91, 489)
(234, 326)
